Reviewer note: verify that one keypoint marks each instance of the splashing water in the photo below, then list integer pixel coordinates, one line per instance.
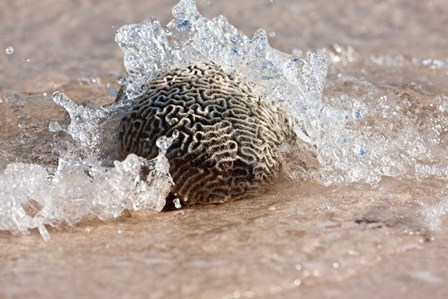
(355, 140)
(32, 197)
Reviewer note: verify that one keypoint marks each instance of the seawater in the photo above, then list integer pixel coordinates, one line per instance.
(362, 129)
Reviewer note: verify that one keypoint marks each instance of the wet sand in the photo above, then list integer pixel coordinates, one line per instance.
(294, 241)
(300, 239)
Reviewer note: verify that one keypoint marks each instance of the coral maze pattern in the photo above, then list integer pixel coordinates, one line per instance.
(229, 138)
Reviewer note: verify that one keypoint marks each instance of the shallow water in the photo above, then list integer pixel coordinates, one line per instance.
(300, 238)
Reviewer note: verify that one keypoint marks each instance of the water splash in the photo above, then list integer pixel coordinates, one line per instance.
(93, 130)
(356, 141)
(295, 81)
(150, 49)
(32, 197)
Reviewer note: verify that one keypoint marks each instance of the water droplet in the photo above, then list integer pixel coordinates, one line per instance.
(112, 92)
(362, 152)
(297, 282)
(177, 203)
(272, 34)
(9, 50)
(183, 25)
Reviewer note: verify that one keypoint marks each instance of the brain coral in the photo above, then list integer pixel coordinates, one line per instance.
(229, 137)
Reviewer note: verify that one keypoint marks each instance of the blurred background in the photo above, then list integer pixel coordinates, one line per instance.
(53, 39)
